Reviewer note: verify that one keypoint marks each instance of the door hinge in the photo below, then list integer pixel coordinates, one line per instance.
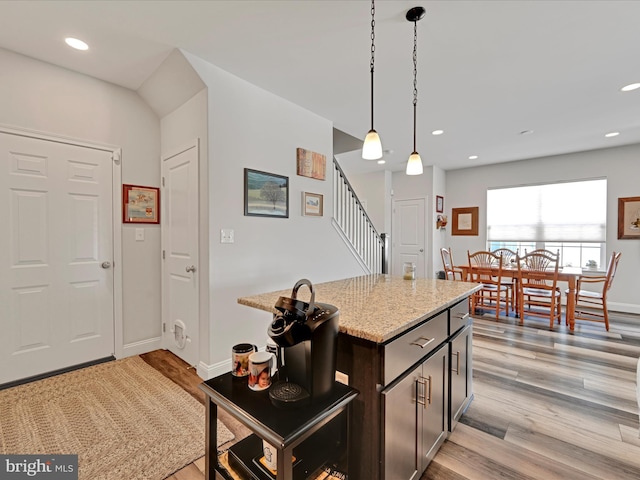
(115, 156)
(163, 254)
(163, 181)
(164, 327)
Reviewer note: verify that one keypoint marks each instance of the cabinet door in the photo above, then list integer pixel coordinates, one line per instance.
(401, 429)
(460, 375)
(432, 401)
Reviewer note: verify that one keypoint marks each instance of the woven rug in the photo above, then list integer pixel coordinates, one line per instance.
(124, 420)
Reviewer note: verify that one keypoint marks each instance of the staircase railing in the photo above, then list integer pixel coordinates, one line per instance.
(351, 218)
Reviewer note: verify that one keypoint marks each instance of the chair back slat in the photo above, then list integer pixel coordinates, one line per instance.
(612, 268)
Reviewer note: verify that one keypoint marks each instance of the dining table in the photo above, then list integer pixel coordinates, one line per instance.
(565, 274)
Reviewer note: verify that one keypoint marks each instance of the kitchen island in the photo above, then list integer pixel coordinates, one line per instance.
(406, 346)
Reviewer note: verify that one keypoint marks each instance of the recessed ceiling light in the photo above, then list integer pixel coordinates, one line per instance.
(381, 162)
(631, 86)
(473, 157)
(437, 132)
(75, 43)
(612, 134)
(526, 132)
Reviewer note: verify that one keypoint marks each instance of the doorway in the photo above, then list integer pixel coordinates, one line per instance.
(408, 235)
(180, 267)
(57, 257)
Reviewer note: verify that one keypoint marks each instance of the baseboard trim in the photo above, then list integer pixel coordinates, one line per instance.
(143, 346)
(208, 372)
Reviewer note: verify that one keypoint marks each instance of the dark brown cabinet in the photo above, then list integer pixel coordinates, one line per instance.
(413, 390)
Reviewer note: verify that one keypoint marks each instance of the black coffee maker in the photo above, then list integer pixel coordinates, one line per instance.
(307, 334)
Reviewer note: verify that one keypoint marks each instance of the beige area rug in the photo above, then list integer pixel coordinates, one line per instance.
(124, 420)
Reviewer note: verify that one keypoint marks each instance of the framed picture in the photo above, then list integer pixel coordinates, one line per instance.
(140, 204)
(311, 164)
(265, 194)
(312, 204)
(439, 204)
(464, 221)
(629, 218)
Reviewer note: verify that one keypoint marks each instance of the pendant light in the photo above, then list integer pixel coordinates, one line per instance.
(372, 148)
(414, 164)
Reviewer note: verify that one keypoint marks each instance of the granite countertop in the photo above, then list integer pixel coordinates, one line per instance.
(376, 307)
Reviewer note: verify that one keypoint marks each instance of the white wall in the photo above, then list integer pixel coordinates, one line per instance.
(467, 188)
(38, 96)
(374, 190)
(252, 128)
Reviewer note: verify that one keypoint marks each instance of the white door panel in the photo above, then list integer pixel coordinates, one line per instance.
(180, 277)
(57, 205)
(408, 235)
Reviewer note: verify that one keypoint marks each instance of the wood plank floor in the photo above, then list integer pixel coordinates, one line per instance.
(547, 404)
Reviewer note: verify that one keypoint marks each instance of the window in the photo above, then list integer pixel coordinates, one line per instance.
(570, 217)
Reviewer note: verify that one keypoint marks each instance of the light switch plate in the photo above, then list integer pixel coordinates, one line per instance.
(139, 234)
(226, 236)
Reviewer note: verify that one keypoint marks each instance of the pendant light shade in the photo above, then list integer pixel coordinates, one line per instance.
(414, 164)
(372, 148)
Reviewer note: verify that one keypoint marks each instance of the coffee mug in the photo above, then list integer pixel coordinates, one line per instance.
(240, 359)
(260, 368)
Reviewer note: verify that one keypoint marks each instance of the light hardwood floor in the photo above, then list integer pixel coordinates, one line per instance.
(547, 404)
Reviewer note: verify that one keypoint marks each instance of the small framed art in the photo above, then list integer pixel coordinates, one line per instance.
(140, 204)
(312, 204)
(439, 204)
(629, 218)
(464, 221)
(265, 194)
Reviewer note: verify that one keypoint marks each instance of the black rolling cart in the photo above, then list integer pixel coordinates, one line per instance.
(307, 437)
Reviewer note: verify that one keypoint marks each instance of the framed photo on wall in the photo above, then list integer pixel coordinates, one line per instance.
(312, 204)
(464, 221)
(140, 204)
(439, 204)
(629, 218)
(265, 194)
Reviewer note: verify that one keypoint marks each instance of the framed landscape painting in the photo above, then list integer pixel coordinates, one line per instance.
(265, 194)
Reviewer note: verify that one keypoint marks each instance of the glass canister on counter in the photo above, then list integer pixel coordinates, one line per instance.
(409, 271)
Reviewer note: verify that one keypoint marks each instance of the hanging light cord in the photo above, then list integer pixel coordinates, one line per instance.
(415, 80)
(373, 51)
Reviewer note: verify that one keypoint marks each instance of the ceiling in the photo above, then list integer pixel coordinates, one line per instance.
(487, 70)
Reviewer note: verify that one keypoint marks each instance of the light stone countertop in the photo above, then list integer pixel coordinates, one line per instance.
(376, 307)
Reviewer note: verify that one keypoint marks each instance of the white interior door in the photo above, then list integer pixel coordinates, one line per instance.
(407, 237)
(180, 276)
(56, 255)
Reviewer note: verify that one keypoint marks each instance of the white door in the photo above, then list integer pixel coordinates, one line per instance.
(407, 235)
(180, 312)
(56, 255)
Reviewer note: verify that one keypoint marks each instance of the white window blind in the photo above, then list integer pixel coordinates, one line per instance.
(557, 212)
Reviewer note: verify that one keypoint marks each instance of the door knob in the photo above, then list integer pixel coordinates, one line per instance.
(105, 264)
(422, 250)
(192, 268)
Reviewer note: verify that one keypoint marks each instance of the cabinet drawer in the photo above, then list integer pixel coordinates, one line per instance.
(406, 350)
(458, 316)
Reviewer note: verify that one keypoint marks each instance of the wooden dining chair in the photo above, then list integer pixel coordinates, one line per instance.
(508, 261)
(538, 292)
(451, 272)
(486, 268)
(592, 305)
